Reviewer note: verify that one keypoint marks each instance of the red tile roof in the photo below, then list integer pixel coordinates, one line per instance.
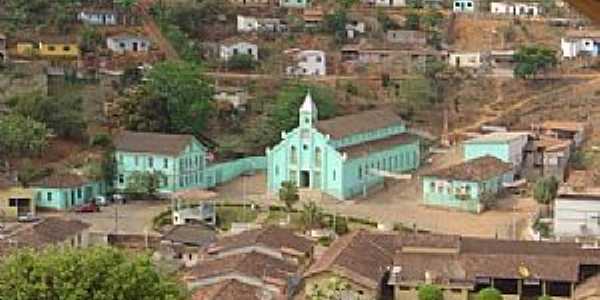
(476, 169)
(358, 123)
(149, 142)
(271, 237)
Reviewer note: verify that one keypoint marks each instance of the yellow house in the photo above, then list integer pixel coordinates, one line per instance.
(59, 48)
(25, 49)
(15, 200)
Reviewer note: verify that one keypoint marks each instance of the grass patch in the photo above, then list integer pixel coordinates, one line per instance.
(275, 217)
(234, 214)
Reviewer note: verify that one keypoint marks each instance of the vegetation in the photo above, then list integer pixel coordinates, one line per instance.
(91, 273)
(335, 23)
(312, 215)
(241, 62)
(63, 115)
(39, 14)
(173, 99)
(144, 183)
(489, 294)
(288, 194)
(333, 289)
(226, 215)
(533, 59)
(21, 136)
(430, 292)
(545, 190)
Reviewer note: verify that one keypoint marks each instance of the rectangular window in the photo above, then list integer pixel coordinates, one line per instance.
(333, 175)
(136, 160)
(121, 179)
(79, 194)
(49, 196)
(360, 172)
(432, 186)
(166, 163)
(12, 202)
(151, 162)
(121, 159)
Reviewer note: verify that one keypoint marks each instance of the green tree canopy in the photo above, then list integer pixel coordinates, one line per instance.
(173, 99)
(545, 190)
(489, 294)
(63, 115)
(430, 292)
(288, 194)
(21, 136)
(335, 23)
(146, 183)
(91, 273)
(333, 289)
(312, 215)
(533, 59)
(242, 62)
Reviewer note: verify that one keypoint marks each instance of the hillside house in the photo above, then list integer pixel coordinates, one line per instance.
(354, 28)
(127, 43)
(577, 214)
(58, 47)
(412, 38)
(506, 146)
(469, 186)
(465, 60)
(385, 3)
(183, 243)
(179, 159)
(15, 200)
(580, 43)
(463, 6)
(526, 9)
(313, 17)
(547, 156)
(295, 3)
(235, 96)
(253, 24)
(64, 191)
(343, 156)
(3, 52)
(98, 17)
(308, 63)
(566, 130)
(232, 48)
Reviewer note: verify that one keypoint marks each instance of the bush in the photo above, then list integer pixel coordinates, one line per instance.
(430, 292)
(244, 62)
(341, 225)
(102, 140)
(489, 294)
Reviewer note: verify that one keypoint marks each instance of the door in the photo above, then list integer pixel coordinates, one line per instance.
(457, 60)
(305, 179)
(104, 19)
(72, 198)
(135, 46)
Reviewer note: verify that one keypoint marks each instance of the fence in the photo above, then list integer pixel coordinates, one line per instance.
(223, 172)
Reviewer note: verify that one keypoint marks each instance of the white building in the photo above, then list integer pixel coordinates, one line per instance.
(465, 60)
(385, 3)
(236, 96)
(532, 9)
(463, 6)
(252, 24)
(577, 215)
(354, 28)
(247, 24)
(3, 55)
(238, 48)
(308, 63)
(123, 43)
(98, 17)
(580, 43)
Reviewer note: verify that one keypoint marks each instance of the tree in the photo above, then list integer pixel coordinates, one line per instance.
(312, 215)
(489, 294)
(545, 190)
(174, 99)
(91, 273)
(430, 292)
(288, 194)
(241, 62)
(533, 59)
(346, 4)
(21, 136)
(334, 289)
(64, 115)
(144, 183)
(335, 23)
(413, 21)
(385, 21)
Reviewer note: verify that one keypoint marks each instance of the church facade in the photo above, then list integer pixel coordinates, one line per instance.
(344, 156)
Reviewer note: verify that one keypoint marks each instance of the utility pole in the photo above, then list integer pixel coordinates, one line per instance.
(117, 218)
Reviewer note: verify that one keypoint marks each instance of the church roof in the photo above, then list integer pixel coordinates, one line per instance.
(365, 121)
(309, 104)
(364, 149)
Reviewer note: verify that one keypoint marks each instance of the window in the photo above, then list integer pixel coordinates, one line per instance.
(121, 159)
(306, 120)
(469, 4)
(333, 175)
(165, 181)
(122, 45)
(121, 179)
(432, 186)
(166, 163)
(136, 158)
(249, 51)
(12, 202)
(51, 48)
(276, 170)
(360, 172)
(319, 59)
(49, 196)
(196, 160)
(66, 48)
(456, 4)
(151, 162)
(305, 147)
(318, 156)
(79, 194)
(440, 189)
(468, 189)
(235, 51)
(294, 155)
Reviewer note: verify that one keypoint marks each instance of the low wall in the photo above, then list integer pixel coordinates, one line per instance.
(226, 171)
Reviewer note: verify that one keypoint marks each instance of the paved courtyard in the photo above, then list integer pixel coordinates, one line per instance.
(133, 217)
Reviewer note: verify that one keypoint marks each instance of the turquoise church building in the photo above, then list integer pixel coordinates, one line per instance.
(467, 186)
(180, 159)
(344, 156)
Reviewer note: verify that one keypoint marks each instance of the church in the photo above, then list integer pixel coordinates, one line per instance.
(344, 156)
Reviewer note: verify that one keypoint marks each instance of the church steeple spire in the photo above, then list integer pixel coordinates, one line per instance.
(308, 112)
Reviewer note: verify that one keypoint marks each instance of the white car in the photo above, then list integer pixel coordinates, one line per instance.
(101, 200)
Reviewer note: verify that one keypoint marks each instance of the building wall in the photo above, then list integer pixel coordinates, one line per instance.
(15, 193)
(66, 198)
(239, 48)
(98, 18)
(510, 152)
(59, 49)
(457, 194)
(310, 62)
(295, 3)
(390, 3)
(463, 6)
(572, 47)
(185, 170)
(247, 24)
(465, 60)
(122, 45)
(571, 216)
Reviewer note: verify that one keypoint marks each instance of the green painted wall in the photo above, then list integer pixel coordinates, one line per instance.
(456, 194)
(67, 198)
(496, 149)
(226, 171)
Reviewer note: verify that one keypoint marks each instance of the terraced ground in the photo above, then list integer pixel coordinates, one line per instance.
(589, 8)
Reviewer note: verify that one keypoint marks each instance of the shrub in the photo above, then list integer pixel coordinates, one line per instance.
(489, 294)
(430, 292)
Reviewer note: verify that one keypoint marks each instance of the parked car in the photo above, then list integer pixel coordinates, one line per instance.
(27, 218)
(101, 200)
(119, 198)
(88, 208)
